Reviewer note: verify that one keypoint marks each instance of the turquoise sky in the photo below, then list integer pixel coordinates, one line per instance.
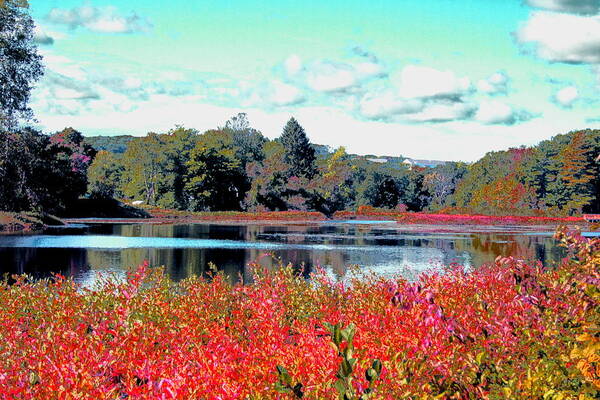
(444, 79)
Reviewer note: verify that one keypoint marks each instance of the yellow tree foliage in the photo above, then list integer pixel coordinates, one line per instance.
(503, 194)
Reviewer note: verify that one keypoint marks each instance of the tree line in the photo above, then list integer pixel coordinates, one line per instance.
(235, 167)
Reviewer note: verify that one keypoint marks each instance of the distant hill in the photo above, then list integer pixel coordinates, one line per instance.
(113, 144)
(118, 144)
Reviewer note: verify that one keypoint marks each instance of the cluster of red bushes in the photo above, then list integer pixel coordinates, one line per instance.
(453, 219)
(465, 219)
(504, 331)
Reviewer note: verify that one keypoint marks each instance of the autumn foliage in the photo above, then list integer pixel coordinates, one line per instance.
(504, 331)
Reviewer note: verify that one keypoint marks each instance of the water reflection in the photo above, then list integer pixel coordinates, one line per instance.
(386, 248)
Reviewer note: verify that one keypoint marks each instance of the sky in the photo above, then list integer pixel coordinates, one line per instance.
(435, 79)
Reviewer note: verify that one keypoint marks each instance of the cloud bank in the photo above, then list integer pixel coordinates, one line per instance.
(102, 20)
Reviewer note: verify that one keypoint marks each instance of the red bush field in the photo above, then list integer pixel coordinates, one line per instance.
(504, 331)
(454, 219)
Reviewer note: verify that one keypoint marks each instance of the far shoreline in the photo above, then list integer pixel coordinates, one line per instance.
(31, 223)
(162, 216)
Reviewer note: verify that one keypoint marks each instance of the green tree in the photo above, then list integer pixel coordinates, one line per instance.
(25, 174)
(179, 143)
(298, 153)
(272, 187)
(214, 180)
(155, 167)
(381, 189)
(105, 176)
(268, 181)
(333, 188)
(143, 162)
(20, 63)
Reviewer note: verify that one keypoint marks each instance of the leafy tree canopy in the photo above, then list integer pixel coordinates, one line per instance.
(20, 64)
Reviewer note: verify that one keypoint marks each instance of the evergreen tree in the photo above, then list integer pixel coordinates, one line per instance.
(298, 153)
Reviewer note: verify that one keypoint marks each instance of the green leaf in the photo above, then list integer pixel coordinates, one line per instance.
(346, 368)
(281, 370)
(348, 333)
(370, 374)
(280, 388)
(284, 376)
(340, 386)
(348, 352)
(480, 357)
(337, 335)
(377, 366)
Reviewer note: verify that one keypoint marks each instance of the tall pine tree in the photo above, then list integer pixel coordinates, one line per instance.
(298, 153)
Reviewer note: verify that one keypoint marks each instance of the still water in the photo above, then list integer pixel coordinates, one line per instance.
(85, 251)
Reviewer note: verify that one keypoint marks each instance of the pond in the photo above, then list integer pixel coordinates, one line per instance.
(84, 251)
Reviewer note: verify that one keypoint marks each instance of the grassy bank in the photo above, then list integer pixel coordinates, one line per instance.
(504, 331)
(11, 222)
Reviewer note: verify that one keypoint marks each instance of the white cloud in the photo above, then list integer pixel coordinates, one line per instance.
(267, 94)
(292, 65)
(562, 37)
(494, 112)
(444, 112)
(367, 70)
(427, 95)
(66, 88)
(420, 94)
(419, 82)
(327, 76)
(497, 83)
(281, 94)
(566, 96)
(71, 88)
(568, 6)
(332, 77)
(104, 20)
(386, 105)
